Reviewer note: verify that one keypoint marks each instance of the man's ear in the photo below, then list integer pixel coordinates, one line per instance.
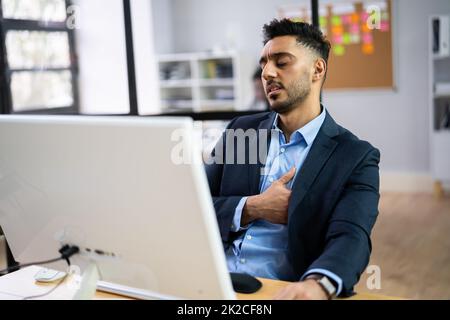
(320, 69)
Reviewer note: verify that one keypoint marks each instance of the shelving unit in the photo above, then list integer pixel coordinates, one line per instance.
(201, 82)
(439, 88)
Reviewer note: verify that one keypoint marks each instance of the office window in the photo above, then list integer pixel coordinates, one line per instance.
(39, 57)
(43, 10)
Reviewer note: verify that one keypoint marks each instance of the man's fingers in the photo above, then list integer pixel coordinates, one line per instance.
(288, 176)
(283, 294)
(287, 293)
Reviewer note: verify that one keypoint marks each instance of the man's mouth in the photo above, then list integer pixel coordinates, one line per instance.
(273, 89)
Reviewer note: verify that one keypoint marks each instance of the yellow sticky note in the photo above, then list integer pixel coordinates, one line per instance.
(339, 50)
(336, 20)
(347, 39)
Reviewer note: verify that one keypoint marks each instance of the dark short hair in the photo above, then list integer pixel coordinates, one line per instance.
(307, 35)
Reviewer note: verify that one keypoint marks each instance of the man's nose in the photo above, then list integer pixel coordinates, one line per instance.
(269, 71)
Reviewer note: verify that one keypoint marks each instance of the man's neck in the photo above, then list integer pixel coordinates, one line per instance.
(298, 117)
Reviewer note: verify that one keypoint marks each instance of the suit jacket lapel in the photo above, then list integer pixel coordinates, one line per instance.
(255, 169)
(321, 150)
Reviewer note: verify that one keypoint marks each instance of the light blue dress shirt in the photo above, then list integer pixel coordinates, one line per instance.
(261, 250)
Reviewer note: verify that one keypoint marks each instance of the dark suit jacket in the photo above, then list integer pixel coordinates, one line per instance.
(333, 205)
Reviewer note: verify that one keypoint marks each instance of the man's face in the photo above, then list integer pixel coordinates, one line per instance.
(286, 73)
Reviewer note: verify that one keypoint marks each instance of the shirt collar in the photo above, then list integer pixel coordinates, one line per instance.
(308, 132)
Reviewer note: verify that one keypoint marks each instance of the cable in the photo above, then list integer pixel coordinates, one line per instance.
(66, 252)
(9, 269)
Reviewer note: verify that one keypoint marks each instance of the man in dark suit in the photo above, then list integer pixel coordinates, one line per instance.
(303, 211)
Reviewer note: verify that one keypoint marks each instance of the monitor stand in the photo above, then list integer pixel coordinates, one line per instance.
(88, 284)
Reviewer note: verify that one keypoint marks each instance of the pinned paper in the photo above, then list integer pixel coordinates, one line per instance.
(365, 28)
(355, 17)
(368, 48)
(347, 19)
(355, 38)
(337, 30)
(338, 39)
(346, 39)
(323, 21)
(367, 38)
(384, 26)
(364, 16)
(336, 21)
(354, 28)
(339, 50)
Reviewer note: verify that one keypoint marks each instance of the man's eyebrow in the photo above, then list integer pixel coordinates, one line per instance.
(275, 55)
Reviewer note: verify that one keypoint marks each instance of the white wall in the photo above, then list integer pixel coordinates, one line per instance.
(103, 81)
(201, 24)
(145, 61)
(395, 121)
(102, 55)
(162, 22)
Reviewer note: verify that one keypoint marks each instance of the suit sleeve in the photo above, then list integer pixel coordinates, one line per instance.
(347, 244)
(225, 207)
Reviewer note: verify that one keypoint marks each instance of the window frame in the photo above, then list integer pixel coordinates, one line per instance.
(6, 73)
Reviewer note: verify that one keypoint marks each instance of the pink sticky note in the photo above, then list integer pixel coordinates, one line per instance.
(347, 19)
(384, 26)
(338, 39)
(367, 38)
(354, 28)
(364, 16)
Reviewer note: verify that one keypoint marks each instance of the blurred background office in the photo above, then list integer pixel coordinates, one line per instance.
(389, 83)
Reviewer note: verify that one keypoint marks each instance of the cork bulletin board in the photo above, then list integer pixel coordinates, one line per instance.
(360, 33)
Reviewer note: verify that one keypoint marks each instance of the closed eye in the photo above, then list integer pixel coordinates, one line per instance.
(282, 62)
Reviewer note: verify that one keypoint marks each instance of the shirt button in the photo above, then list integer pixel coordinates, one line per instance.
(282, 150)
(270, 179)
(242, 261)
(249, 237)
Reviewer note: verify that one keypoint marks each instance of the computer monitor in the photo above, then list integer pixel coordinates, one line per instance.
(125, 190)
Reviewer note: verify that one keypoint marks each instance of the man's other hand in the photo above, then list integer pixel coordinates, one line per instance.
(271, 205)
(303, 290)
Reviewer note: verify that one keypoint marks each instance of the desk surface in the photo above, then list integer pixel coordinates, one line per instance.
(21, 283)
